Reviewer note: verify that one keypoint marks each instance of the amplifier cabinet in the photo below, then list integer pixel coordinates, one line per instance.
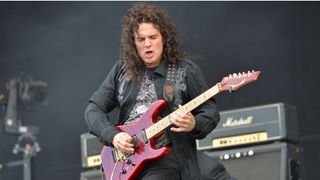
(94, 174)
(251, 125)
(276, 161)
(90, 150)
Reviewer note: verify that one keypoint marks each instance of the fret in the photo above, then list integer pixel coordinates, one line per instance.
(157, 127)
(165, 122)
(201, 99)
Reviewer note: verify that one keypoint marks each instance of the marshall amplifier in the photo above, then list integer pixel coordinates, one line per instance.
(256, 124)
(90, 150)
(275, 161)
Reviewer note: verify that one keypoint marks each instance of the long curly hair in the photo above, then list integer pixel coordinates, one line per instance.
(147, 13)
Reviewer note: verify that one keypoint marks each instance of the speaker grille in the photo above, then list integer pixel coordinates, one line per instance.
(263, 162)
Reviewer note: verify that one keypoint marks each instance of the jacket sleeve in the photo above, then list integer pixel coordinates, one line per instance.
(99, 105)
(206, 115)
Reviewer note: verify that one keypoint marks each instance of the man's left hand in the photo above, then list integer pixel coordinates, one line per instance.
(184, 122)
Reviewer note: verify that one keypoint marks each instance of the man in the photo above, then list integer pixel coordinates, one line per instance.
(149, 43)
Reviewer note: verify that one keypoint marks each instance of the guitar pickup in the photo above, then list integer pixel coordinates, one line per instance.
(144, 137)
(135, 142)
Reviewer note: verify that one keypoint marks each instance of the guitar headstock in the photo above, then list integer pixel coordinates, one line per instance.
(234, 81)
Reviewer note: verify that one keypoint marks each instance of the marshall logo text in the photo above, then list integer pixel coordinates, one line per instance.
(230, 122)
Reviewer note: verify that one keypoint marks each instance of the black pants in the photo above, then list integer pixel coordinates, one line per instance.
(166, 168)
(169, 169)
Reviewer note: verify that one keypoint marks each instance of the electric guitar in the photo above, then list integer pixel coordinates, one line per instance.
(118, 165)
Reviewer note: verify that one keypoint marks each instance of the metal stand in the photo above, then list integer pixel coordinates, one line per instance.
(30, 93)
(28, 145)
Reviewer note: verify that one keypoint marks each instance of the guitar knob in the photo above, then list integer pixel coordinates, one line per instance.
(123, 171)
(128, 161)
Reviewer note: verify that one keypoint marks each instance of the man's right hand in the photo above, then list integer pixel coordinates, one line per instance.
(123, 142)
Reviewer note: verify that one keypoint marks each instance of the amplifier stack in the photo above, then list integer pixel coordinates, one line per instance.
(90, 157)
(259, 124)
(256, 142)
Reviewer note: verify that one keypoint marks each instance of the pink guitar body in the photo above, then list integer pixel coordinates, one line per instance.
(129, 167)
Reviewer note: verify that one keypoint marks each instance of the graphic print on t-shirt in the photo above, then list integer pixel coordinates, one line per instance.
(146, 96)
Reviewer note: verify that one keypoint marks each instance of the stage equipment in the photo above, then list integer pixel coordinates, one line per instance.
(24, 94)
(94, 174)
(90, 150)
(276, 161)
(258, 124)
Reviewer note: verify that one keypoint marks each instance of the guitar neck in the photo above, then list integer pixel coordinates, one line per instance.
(159, 126)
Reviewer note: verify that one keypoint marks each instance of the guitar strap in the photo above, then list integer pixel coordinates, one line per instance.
(168, 89)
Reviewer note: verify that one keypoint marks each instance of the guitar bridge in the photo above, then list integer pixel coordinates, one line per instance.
(118, 155)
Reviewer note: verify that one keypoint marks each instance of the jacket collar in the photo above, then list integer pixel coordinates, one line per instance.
(162, 68)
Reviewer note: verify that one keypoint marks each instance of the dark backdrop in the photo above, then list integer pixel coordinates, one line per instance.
(72, 46)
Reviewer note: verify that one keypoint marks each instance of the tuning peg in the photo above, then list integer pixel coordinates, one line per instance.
(235, 75)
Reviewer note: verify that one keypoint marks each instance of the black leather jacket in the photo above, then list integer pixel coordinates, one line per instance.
(119, 91)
